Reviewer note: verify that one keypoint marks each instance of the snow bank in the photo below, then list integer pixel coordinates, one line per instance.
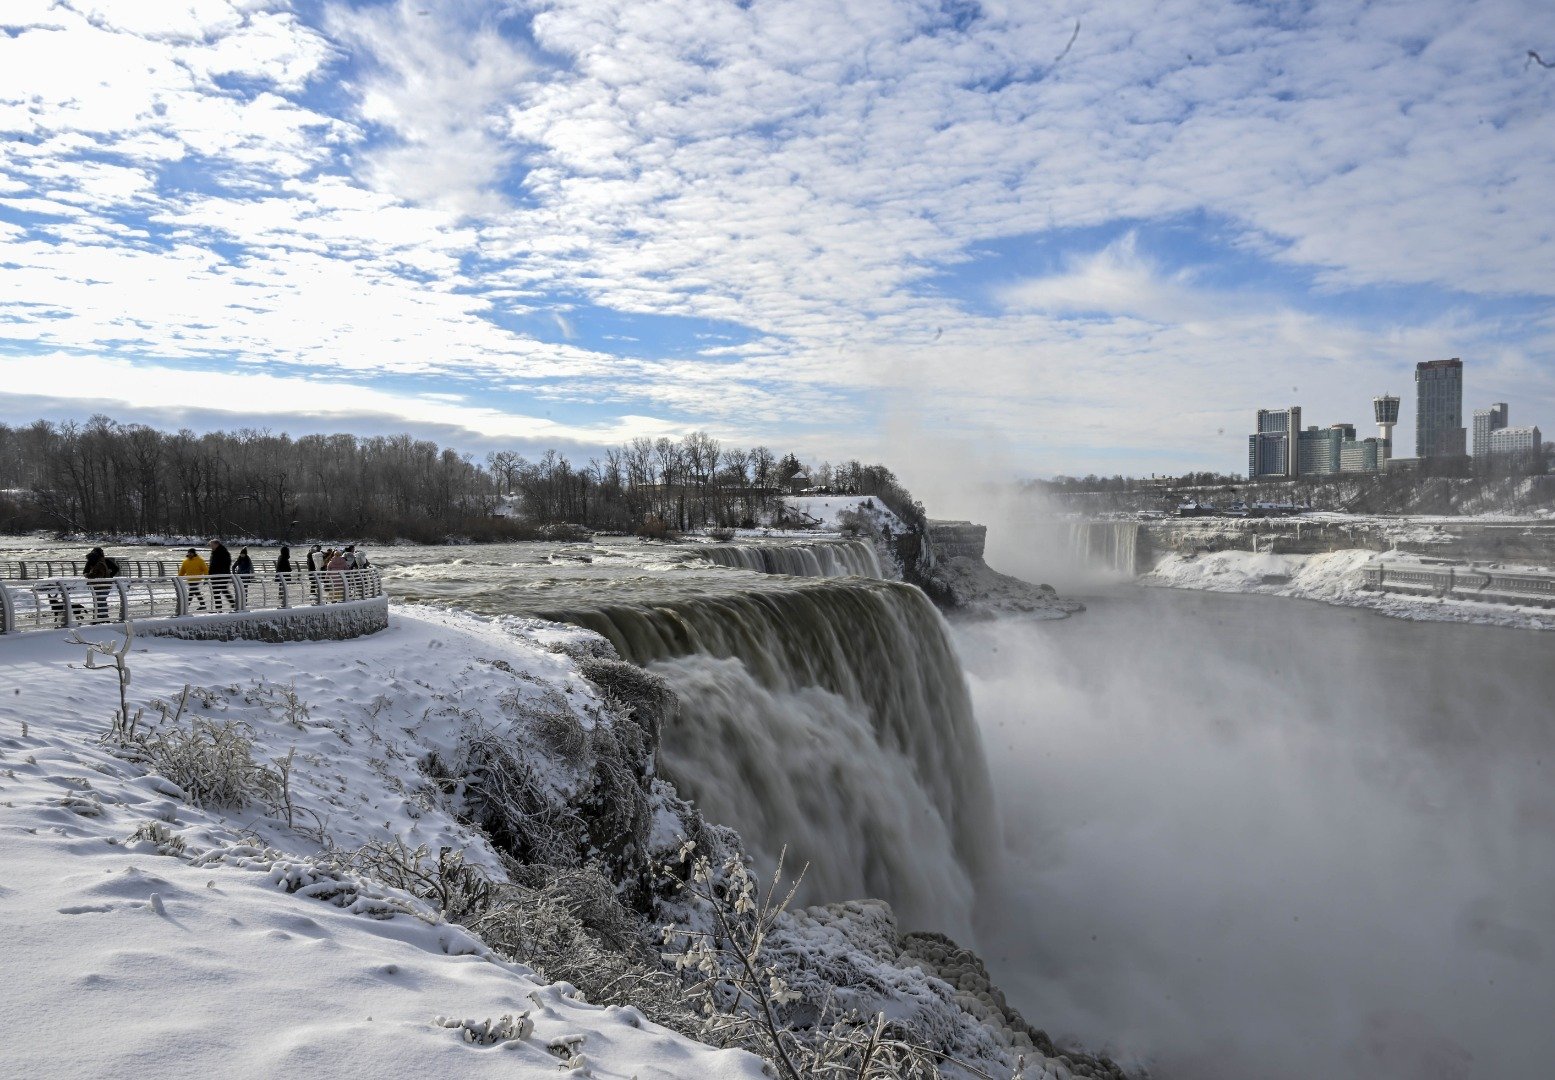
(196, 950)
(1332, 577)
(830, 513)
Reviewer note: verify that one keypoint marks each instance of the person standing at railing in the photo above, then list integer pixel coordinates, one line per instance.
(283, 562)
(244, 566)
(98, 570)
(337, 566)
(194, 567)
(221, 576)
(315, 565)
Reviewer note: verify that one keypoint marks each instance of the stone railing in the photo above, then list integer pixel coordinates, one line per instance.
(1462, 583)
(59, 602)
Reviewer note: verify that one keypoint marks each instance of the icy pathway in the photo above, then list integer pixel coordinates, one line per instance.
(119, 961)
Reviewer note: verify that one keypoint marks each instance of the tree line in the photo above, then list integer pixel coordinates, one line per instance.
(103, 477)
(1063, 485)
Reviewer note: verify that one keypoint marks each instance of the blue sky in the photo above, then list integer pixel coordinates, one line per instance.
(923, 231)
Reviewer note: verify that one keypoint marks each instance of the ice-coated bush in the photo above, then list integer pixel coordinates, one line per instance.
(512, 804)
(211, 760)
(489, 1032)
(645, 697)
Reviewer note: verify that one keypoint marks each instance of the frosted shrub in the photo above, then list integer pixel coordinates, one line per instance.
(615, 810)
(283, 700)
(489, 1032)
(567, 924)
(746, 1001)
(212, 761)
(124, 723)
(643, 697)
(459, 892)
(505, 797)
(160, 837)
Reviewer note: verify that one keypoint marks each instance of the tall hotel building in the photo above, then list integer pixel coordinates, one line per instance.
(1487, 422)
(1439, 409)
(1273, 451)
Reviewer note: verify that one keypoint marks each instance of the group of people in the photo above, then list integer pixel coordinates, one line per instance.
(221, 568)
(217, 576)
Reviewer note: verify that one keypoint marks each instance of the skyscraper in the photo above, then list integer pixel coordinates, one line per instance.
(1485, 422)
(1439, 409)
(1272, 451)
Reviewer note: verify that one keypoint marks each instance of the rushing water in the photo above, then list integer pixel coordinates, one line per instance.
(822, 709)
(833, 718)
(1256, 837)
(843, 558)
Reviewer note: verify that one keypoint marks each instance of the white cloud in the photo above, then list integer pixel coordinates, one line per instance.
(191, 188)
(124, 385)
(435, 76)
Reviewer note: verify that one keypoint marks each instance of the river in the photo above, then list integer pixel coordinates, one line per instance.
(1257, 837)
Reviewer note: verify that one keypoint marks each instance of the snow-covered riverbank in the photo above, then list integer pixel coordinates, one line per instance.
(1332, 577)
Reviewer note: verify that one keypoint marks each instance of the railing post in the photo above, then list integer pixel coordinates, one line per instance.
(240, 591)
(181, 591)
(124, 597)
(7, 611)
(285, 590)
(70, 609)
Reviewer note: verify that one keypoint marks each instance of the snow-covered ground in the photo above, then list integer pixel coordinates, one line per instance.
(145, 936)
(1332, 577)
(827, 511)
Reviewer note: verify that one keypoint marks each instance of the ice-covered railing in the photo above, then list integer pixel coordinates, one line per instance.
(1525, 587)
(33, 569)
(52, 603)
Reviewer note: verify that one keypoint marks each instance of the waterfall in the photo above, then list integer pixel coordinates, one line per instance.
(828, 558)
(831, 717)
(1105, 545)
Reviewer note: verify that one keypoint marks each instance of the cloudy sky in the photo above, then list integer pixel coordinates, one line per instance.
(1070, 236)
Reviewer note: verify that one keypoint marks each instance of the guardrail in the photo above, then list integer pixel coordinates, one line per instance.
(34, 569)
(53, 603)
(1462, 583)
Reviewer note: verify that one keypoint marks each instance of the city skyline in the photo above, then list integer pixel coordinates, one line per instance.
(991, 239)
(1444, 425)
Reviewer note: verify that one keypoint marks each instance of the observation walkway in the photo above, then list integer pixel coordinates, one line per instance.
(69, 600)
(1522, 587)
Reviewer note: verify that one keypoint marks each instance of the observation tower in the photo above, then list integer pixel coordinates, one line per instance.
(1386, 409)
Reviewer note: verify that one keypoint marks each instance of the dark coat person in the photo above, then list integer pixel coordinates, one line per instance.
(98, 570)
(244, 565)
(283, 561)
(97, 564)
(221, 570)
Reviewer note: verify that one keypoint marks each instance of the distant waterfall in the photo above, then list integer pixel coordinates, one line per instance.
(826, 558)
(1107, 545)
(833, 718)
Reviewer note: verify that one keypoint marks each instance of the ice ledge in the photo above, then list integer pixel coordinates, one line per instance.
(333, 622)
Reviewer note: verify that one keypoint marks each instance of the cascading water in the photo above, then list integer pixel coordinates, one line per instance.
(1106, 545)
(832, 718)
(828, 558)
